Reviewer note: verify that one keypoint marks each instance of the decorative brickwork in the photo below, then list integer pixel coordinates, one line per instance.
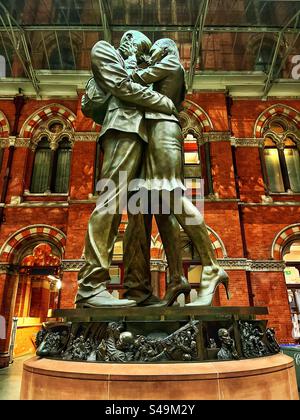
(44, 114)
(4, 126)
(276, 110)
(16, 241)
(283, 238)
(200, 114)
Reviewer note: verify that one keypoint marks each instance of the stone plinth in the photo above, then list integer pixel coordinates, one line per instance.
(267, 378)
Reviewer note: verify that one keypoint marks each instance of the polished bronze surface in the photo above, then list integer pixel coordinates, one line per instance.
(142, 136)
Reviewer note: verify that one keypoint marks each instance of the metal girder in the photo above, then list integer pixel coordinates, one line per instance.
(103, 7)
(18, 39)
(158, 28)
(270, 79)
(197, 41)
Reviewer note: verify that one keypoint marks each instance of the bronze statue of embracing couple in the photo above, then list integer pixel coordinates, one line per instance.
(136, 94)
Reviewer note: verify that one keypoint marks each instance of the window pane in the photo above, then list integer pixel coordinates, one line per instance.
(41, 177)
(293, 166)
(115, 275)
(118, 251)
(195, 274)
(191, 158)
(274, 170)
(63, 170)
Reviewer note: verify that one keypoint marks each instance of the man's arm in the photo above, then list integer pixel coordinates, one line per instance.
(112, 77)
(156, 72)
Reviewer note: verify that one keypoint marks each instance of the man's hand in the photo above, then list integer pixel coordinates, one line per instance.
(127, 49)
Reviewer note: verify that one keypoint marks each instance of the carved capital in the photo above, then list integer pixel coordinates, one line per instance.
(87, 137)
(4, 268)
(267, 266)
(234, 263)
(9, 269)
(252, 265)
(72, 265)
(12, 141)
(4, 142)
(21, 142)
(247, 142)
(217, 136)
(158, 266)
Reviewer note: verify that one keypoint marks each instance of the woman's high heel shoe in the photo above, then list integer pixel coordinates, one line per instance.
(174, 290)
(211, 280)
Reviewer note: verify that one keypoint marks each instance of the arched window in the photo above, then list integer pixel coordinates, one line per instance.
(264, 53)
(292, 278)
(196, 158)
(191, 261)
(63, 166)
(191, 151)
(52, 161)
(62, 58)
(41, 177)
(281, 157)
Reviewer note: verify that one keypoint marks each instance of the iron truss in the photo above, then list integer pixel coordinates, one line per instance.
(17, 36)
(18, 39)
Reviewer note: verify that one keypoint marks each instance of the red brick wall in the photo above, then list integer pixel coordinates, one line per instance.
(261, 223)
(261, 226)
(269, 290)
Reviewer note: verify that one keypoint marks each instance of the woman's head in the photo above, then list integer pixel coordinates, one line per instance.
(162, 48)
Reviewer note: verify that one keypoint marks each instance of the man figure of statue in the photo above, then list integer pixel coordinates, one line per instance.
(122, 139)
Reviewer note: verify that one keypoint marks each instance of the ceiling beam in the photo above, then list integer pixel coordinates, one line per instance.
(103, 7)
(197, 41)
(157, 28)
(19, 42)
(270, 79)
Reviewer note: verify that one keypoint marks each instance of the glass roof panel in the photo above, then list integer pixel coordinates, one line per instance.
(239, 35)
(239, 13)
(269, 13)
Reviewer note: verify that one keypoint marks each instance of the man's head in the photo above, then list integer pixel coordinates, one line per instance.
(162, 48)
(140, 42)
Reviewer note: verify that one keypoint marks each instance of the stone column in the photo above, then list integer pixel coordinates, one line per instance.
(8, 290)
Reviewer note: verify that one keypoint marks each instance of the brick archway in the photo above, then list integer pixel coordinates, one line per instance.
(282, 239)
(11, 247)
(46, 113)
(200, 114)
(4, 126)
(217, 243)
(276, 110)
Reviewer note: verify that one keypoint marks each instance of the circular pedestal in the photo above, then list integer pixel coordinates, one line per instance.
(267, 378)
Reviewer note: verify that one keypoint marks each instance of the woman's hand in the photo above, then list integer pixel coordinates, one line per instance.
(157, 55)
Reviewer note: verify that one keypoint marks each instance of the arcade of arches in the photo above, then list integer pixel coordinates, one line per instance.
(252, 213)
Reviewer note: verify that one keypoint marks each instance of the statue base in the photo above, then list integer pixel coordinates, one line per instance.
(266, 378)
(148, 335)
